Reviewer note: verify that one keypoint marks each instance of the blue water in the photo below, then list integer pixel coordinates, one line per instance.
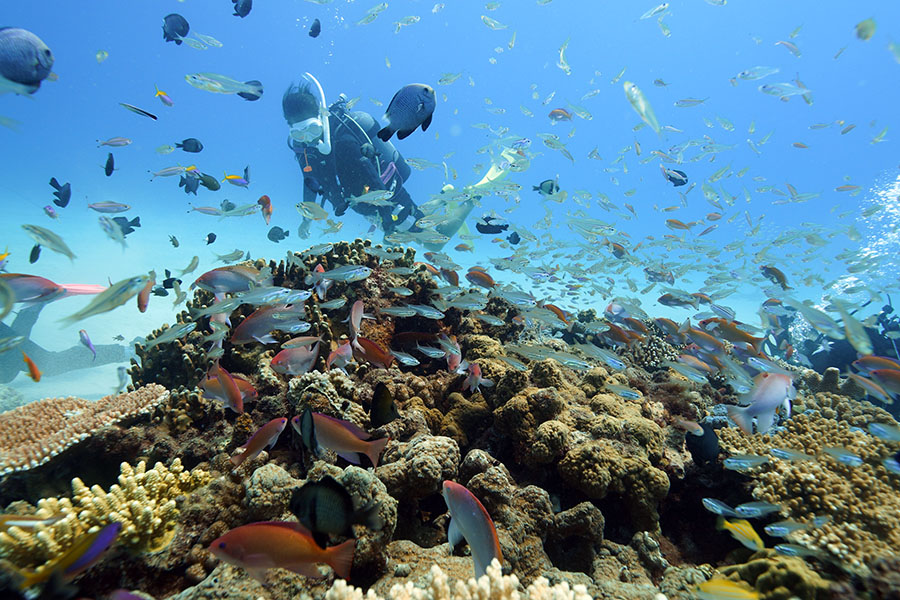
(708, 46)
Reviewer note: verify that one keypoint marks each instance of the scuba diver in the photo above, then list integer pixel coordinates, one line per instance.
(342, 156)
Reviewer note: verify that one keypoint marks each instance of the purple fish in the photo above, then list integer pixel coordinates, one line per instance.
(80, 556)
(50, 212)
(86, 340)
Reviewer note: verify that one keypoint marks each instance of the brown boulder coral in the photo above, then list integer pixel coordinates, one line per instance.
(598, 467)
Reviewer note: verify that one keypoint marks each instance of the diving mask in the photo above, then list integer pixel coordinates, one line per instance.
(307, 131)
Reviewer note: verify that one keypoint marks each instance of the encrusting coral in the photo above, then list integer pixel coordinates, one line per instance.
(33, 434)
(143, 502)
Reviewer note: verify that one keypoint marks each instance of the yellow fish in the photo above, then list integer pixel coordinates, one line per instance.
(742, 531)
(724, 589)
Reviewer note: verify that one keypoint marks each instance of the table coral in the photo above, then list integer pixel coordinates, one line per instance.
(863, 502)
(143, 502)
(33, 434)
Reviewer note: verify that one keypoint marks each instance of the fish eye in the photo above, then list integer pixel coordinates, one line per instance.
(221, 544)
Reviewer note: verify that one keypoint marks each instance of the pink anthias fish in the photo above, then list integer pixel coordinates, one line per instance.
(230, 279)
(344, 438)
(265, 437)
(234, 398)
(33, 289)
(470, 520)
(357, 314)
(295, 361)
(475, 379)
(318, 281)
(257, 547)
(770, 391)
(213, 388)
(340, 357)
(259, 324)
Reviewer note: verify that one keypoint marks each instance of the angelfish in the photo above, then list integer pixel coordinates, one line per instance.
(470, 520)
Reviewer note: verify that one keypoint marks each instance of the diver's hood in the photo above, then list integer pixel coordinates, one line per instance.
(315, 130)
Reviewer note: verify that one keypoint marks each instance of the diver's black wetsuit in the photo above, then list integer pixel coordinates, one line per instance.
(347, 172)
(50, 362)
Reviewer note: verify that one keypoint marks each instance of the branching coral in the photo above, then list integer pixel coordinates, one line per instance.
(494, 586)
(143, 502)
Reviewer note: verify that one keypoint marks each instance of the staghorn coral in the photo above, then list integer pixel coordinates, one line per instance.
(438, 586)
(863, 502)
(33, 434)
(143, 502)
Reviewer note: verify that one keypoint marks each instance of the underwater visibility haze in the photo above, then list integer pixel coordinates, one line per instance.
(580, 299)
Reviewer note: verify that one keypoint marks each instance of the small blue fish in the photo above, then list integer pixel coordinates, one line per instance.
(348, 273)
(844, 456)
(406, 359)
(624, 392)
(784, 528)
(719, 508)
(789, 454)
(890, 433)
(743, 462)
(87, 342)
(754, 510)
(795, 550)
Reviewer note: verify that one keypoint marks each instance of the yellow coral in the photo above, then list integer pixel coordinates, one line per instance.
(143, 502)
(492, 586)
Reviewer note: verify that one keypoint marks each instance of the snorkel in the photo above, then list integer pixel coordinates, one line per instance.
(314, 131)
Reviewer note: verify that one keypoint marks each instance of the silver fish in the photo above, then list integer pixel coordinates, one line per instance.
(112, 297)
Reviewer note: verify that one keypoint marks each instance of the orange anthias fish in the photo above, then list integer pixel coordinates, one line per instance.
(267, 209)
(33, 371)
(257, 547)
(343, 437)
(480, 278)
(143, 297)
(373, 353)
(560, 114)
(265, 437)
(470, 520)
(233, 396)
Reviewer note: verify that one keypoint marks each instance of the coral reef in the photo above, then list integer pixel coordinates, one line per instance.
(143, 502)
(830, 382)
(33, 434)
(778, 577)
(863, 502)
(438, 586)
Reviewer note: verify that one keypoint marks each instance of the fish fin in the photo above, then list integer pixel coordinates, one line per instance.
(369, 516)
(238, 459)
(720, 522)
(764, 421)
(454, 534)
(351, 457)
(307, 569)
(404, 134)
(375, 449)
(260, 573)
(487, 383)
(265, 339)
(426, 122)
(385, 133)
(742, 417)
(340, 558)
